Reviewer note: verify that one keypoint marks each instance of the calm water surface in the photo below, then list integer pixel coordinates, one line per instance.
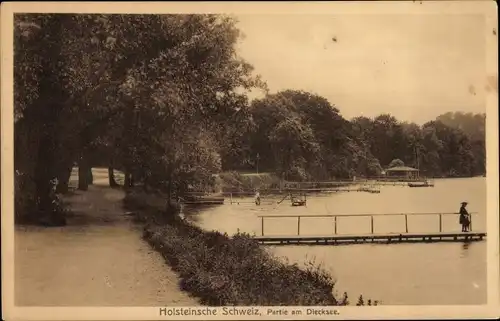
(439, 273)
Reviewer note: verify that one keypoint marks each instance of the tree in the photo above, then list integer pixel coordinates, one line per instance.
(294, 146)
(362, 131)
(396, 163)
(387, 140)
(267, 113)
(38, 112)
(414, 144)
(329, 133)
(473, 126)
(194, 94)
(430, 161)
(450, 149)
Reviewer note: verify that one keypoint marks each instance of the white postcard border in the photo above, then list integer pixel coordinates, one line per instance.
(486, 8)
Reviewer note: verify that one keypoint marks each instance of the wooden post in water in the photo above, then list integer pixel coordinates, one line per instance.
(406, 222)
(440, 223)
(231, 197)
(335, 223)
(470, 222)
(298, 225)
(262, 224)
(371, 219)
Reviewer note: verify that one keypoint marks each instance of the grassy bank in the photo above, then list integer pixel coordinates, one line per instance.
(223, 270)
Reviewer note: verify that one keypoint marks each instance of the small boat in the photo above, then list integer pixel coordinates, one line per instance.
(369, 189)
(298, 203)
(203, 200)
(421, 184)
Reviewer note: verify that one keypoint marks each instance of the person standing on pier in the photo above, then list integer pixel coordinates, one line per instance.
(464, 217)
(257, 198)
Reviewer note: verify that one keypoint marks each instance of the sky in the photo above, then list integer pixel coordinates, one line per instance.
(414, 67)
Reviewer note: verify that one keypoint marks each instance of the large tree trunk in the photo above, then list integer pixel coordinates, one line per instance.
(83, 171)
(111, 175)
(90, 176)
(127, 182)
(146, 182)
(169, 194)
(26, 146)
(45, 116)
(49, 214)
(63, 178)
(43, 184)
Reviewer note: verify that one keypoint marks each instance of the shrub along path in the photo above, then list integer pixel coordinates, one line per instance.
(99, 259)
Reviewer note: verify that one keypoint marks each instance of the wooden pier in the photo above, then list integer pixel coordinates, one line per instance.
(376, 181)
(201, 199)
(233, 196)
(362, 188)
(371, 237)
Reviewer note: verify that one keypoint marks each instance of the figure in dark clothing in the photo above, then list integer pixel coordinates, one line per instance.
(257, 198)
(464, 218)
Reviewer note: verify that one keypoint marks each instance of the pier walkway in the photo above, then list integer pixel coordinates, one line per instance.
(372, 237)
(360, 181)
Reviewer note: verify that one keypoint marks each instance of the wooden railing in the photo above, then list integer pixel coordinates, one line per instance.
(371, 216)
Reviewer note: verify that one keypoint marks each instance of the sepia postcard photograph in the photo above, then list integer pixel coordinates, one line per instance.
(250, 160)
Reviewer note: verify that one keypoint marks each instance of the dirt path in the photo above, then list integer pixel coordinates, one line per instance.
(99, 259)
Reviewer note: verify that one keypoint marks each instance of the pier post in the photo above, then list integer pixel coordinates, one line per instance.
(371, 224)
(470, 222)
(262, 224)
(298, 225)
(406, 222)
(440, 223)
(231, 198)
(335, 223)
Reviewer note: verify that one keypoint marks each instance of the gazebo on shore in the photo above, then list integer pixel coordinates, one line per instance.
(402, 172)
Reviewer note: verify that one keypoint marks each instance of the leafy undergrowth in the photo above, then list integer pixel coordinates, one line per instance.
(220, 270)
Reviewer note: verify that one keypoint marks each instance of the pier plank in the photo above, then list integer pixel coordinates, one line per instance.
(371, 238)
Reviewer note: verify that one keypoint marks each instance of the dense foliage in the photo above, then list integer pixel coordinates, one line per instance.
(162, 98)
(301, 136)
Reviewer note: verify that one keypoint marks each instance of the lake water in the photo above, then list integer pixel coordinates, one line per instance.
(426, 273)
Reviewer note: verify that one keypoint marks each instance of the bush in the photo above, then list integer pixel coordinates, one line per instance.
(232, 271)
(25, 204)
(24, 198)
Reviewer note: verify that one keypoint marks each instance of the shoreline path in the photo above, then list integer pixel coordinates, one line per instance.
(98, 259)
